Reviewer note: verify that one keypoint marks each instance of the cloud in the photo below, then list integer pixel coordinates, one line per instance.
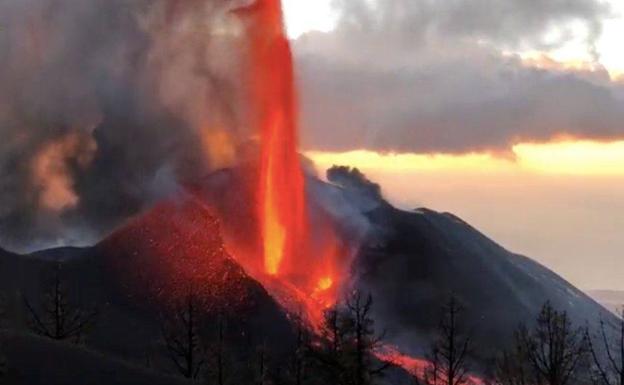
(418, 75)
(507, 22)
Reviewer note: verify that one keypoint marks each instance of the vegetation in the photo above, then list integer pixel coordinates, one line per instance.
(345, 351)
(3, 359)
(181, 336)
(57, 318)
(451, 350)
(554, 352)
(608, 355)
(198, 343)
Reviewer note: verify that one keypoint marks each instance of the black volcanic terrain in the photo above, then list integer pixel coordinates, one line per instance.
(431, 255)
(413, 261)
(141, 271)
(409, 261)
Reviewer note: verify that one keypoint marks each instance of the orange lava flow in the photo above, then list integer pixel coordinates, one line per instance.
(281, 196)
(414, 366)
(418, 367)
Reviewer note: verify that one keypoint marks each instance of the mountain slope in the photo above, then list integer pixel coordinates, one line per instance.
(410, 261)
(143, 270)
(32, 360)
(415, 260)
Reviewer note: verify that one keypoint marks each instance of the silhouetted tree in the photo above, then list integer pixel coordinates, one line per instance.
(3, 366)
(328, 352)
(218, 354)
(3, 309)
(553, 353)
(262, 365)
(3, 360)
(181, 336)
(346, 349)
(513, 367)
(608, 361)
(58, 319)
(365, 342)
(298, 364)
(450, 350)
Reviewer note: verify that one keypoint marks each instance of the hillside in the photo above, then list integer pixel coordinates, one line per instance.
(410, 261)
(143, 271)
(413, 261)
(32, 360)
(430, 255)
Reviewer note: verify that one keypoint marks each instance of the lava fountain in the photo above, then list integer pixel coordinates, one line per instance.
(298, 252)
(281, 195)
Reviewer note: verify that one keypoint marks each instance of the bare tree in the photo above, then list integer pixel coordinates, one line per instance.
(220, 352)
(3, 311)
(219, 357)
(346, 350)
(298, 363)
(3, 367)
(513, 367)
(609, 360)
(3, 360)
(262, 368)
(555, 349)
(553, 353)
(181, 336)
(328, 351)
(451, 349)
(58, 319)
(364, 338)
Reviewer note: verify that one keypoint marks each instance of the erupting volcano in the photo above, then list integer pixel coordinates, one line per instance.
(191, 237)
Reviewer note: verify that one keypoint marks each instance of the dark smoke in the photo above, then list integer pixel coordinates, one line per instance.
(104, 106)
(352, 179)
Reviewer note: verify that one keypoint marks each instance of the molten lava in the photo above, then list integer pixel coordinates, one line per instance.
(281, 196)
(419, 367)
(414, 366)
(293, 245)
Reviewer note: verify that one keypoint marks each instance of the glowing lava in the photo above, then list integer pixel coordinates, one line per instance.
(325, 283)
(281, 196)
(296, 249)
(418, 367)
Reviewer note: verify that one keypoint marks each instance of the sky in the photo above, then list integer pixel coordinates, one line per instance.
(319, 15)
(513, 121)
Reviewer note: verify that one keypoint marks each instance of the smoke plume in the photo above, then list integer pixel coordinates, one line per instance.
(106, 103)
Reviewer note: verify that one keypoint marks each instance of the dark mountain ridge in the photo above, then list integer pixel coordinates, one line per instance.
(137, 275)
(431, 255)
(409, 261)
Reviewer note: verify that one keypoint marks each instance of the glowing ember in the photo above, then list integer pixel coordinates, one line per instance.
(176, 246)
(325, 283)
